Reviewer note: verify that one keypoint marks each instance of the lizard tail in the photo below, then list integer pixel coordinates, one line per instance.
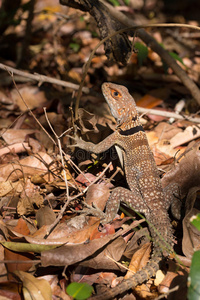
(138, 278)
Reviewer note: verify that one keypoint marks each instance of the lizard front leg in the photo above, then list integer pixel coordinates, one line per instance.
(103, 146)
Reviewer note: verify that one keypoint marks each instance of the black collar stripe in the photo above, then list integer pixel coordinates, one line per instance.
(132, 130)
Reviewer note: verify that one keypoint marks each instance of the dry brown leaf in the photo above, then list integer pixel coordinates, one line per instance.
(45, 216)
(14, 136)
(15, 148)
(175, 277)
(22, 227)
(4, 99)
(74, 231)
(56, 120)
(159, 277)
(29, 197)
(3, 270)
(165, 131)
(161, 148)
(26, 166)
(70, 254)
(10, 290)
(25, 205)
(34, 288)
(186, 172)
(107, 230)
(85, 179)
(138, 261)
(11, 255)
(98, 194)
(189, 134)
(109, 256)
(93, 127)
(8, 186)
(35, 145)
(32, 96)
(152, 138)
(141, 236)
(87, 121)
(149, 101)
(191, 235)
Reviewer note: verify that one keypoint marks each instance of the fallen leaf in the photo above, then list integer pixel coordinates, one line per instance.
(138, 261)
(26, 166)
(189, 134)
(98, 194)
(33, 288)
(14, 136)
(45, 216)
(31, 95)
(149, 101)
(11, 255)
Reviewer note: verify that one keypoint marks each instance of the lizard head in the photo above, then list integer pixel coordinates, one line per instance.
(121, 103)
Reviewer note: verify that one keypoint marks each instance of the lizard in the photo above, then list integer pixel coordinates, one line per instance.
(145, 193)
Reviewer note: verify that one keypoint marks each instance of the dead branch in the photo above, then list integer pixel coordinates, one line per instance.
(167, 114)
(42, 78)
(150, 42)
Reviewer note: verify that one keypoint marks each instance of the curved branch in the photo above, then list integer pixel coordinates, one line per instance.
(149, 41)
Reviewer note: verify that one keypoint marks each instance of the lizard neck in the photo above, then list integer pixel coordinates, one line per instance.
(131, 126)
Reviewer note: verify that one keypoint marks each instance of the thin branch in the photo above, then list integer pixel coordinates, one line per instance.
(167, 114)
(174, 289)
(42, 78)
(153, 44)
(7, 261)
(66, 156)
(60, 215)
(170, 61)
(61, 154)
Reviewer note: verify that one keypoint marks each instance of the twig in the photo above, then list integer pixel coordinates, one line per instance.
(60, 215)
(167, 114)
(42, 78)
(7, 261)
(66, 156)
(152, 43)
(157, 48)
(61, 154)
(174, 289)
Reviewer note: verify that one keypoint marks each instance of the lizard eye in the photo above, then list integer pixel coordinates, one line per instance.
(115, 94)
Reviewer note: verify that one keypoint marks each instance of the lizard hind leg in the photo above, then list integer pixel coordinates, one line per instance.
(120, 194)
(172, 198)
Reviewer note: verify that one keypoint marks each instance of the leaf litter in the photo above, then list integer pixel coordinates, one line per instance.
(32, 185)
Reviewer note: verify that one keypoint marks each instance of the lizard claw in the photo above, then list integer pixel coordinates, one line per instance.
(76, 139)
(78, 142)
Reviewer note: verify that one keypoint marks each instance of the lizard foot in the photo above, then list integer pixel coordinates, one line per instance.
(91, 210)
(77, 141)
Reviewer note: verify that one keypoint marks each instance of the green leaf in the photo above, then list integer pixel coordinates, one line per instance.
(127, 2)
(142, 52)
(79, 291)
(194, 278)
(114, 2)
(26, 247)
(74, 46)
(176, 57)
(195, 220)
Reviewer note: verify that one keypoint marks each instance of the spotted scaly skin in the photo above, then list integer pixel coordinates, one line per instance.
(145, 193)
